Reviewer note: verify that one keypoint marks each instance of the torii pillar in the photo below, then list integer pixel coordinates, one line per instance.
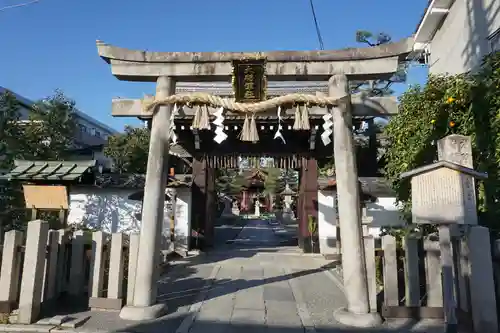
(145, 291)
(357, 313)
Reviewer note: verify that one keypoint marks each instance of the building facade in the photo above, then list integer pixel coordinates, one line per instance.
(90, 131)
(454, 35)
(90, 136)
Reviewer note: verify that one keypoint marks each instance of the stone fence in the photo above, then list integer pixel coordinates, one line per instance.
(40, 266)
(405, 278)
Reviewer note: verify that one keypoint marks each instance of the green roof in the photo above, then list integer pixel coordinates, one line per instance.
(49, 170)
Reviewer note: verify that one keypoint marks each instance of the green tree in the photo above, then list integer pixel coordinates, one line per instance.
(50, 131)
(47, 135)
(11, 198)
(272, 181)
(376, 87)
(229, 181)
(465, 104)
(10, 131)
(129, 150)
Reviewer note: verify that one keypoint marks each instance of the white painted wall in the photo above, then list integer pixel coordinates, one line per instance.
(182, 228)
(385, 213)
(110, 210)
(327, 222)
(462, 40)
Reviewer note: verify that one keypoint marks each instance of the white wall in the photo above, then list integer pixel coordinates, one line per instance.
(462, 40)
(385, 213)
(109, 210)
(327, 222)
(182, 227)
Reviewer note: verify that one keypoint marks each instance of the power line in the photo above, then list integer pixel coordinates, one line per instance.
(318, 31)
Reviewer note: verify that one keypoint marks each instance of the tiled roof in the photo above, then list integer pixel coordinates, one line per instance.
(179, 151)
(49, 170)
(375, 186)
(117, 180)
(136, 181)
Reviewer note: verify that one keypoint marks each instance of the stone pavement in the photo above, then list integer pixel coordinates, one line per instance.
(252, 285)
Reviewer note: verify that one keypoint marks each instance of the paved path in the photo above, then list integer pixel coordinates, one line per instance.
(249, 286)
(258, 233)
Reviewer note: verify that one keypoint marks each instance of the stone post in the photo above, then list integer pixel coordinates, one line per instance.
(10, 271)
(30, 297)
(145, 290)
(357, 312)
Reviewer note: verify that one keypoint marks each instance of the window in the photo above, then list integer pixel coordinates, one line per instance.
(98, 134)
(494, 41)
(83, 128)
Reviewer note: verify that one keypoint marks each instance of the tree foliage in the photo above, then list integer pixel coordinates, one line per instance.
(467, 104)
(129, 150)
(229, 181)
(272, 183)
(46, 135)
(50, 132)
(10, 131)
(374, 87)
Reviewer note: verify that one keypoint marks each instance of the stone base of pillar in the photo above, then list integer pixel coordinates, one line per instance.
(143, 312)
(361, 320)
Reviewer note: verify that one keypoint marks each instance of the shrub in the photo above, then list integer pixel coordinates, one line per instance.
(467, 104)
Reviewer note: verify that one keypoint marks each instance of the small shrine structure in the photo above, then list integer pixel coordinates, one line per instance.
(252, 192)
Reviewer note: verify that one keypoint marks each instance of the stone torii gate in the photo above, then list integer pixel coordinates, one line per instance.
(335, 67)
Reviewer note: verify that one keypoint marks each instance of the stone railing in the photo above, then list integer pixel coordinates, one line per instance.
(41, 266)
(405, 278)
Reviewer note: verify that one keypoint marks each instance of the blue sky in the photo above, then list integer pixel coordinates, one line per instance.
(51, 44)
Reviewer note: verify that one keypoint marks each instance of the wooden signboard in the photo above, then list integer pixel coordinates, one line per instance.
(249, 80)
(46, 197)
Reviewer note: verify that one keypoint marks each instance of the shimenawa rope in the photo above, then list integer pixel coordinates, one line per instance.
(249, 131)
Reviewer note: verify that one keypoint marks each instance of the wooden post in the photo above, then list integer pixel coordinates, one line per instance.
(211, 207)
(310, 204)
(199, 195)
(301, 217)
